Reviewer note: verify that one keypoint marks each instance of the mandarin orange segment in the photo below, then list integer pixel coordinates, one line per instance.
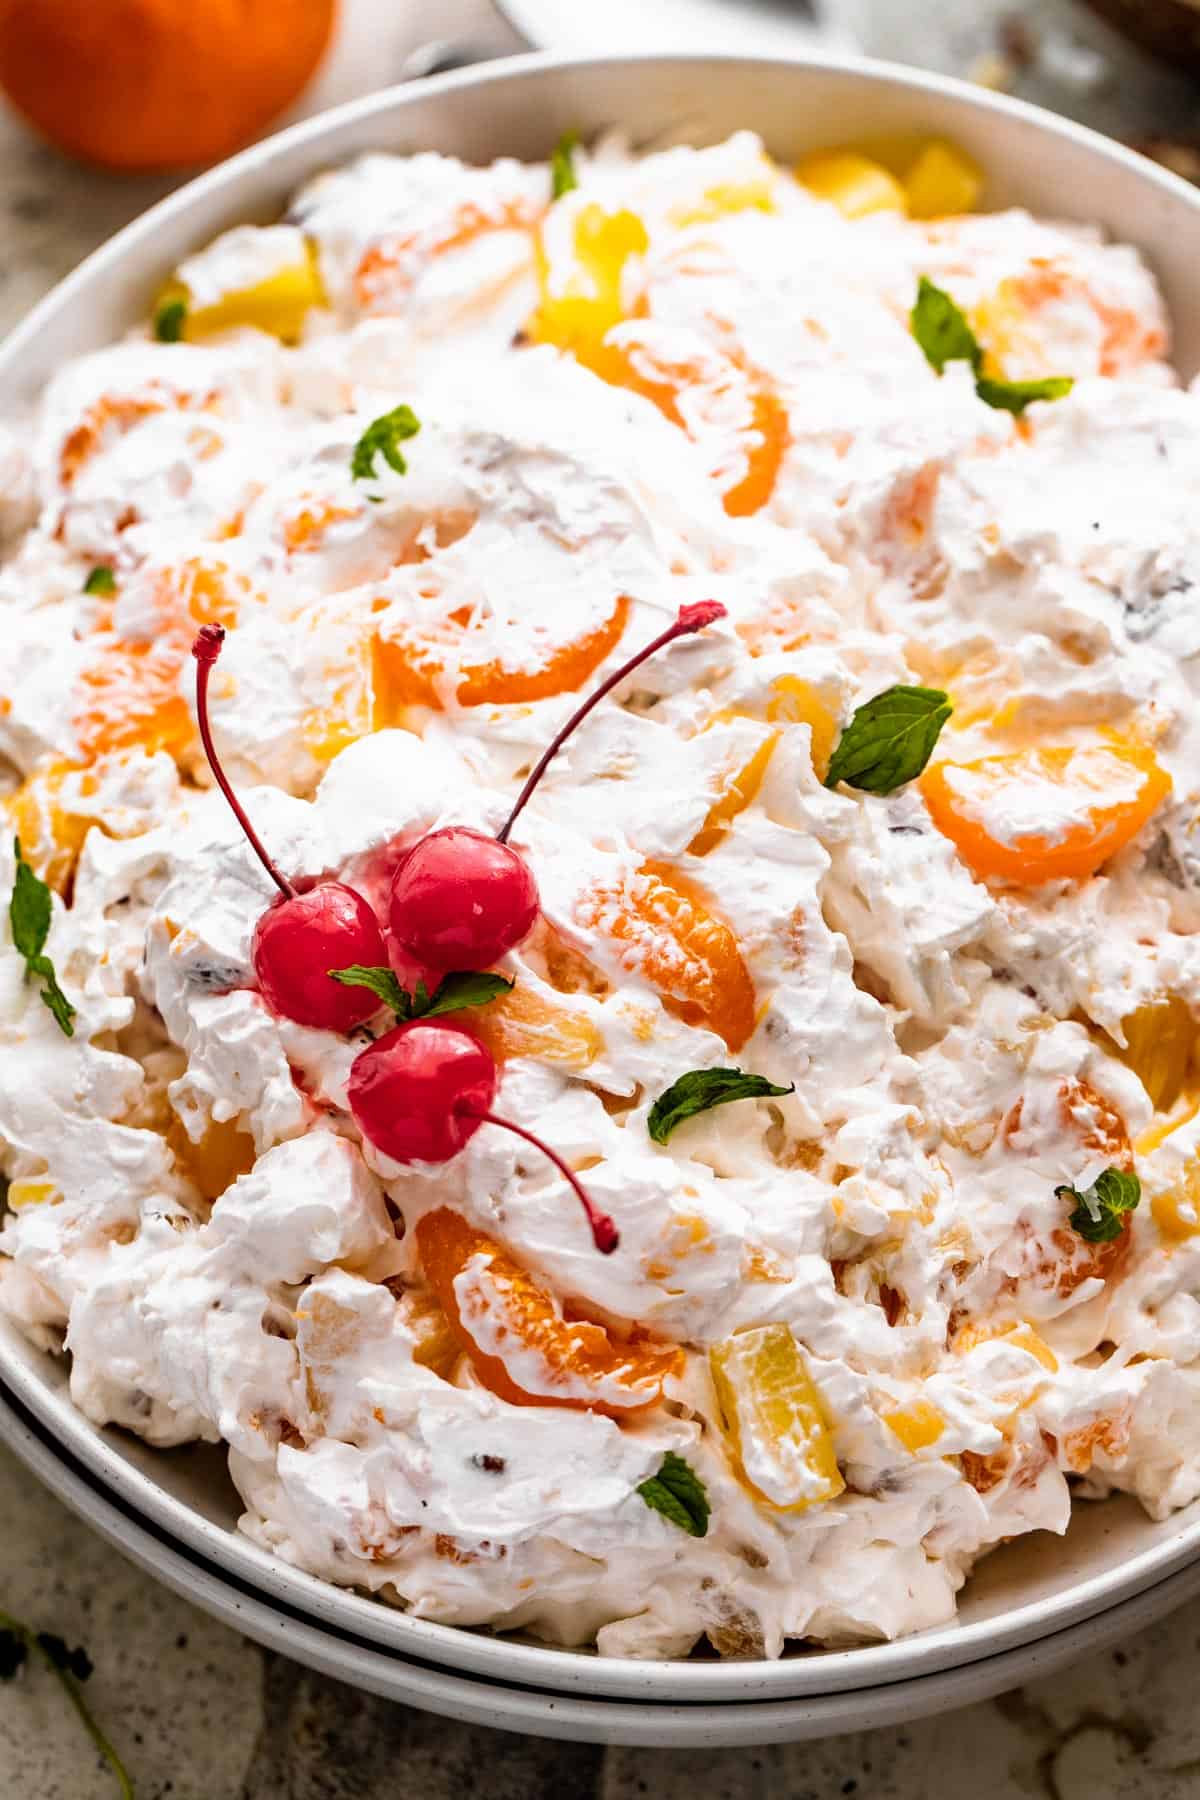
(668, 936)
(129, 694)
(1095, 798)
(740, 794)
(1008, 320)
(1015, 1331)
(564, 670)
(202, 590)
(437, 1345)
(531, 1021)
(388, 269)
(1072, 1260)
(1063, 1261)
(405, 670)
(51, 836)
(113, 415)
(769, 426)
(304, 528)
(663, 380)
(794, 701)
(500, 1313)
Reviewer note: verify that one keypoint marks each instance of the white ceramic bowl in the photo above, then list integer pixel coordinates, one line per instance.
(1037, 1586)
(639, 1718)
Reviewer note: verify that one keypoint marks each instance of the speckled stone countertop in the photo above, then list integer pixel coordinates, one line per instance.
(198, 1712)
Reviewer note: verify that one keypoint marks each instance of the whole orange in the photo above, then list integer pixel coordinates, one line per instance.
(157, 84)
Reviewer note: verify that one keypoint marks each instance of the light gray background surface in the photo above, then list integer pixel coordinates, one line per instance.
(201, 1714)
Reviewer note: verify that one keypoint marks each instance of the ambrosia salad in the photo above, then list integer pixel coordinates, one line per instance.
(845, 958)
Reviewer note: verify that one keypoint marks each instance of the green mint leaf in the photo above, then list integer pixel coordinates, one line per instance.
(169, 321)
(29, 918)
(701, 1089)
(100, 581)
(70, 1668)
(29, 909)
(1099, 1215)
(383, 437)
(563, 175)
(678, 1493)
(381, 982)
(1015, 396)
(940, 328)
(52, 995)
(466, 987)
(889, 740)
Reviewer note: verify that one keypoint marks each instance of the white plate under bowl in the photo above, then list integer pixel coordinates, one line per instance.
(1036, 1586)
(639, 1719)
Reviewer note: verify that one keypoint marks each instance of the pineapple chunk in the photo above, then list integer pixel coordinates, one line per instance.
(917, 1425)
(730, 197)
(576, 316)
(223, 1154)
(1160, 1048)
(853, 183)
(24, 1192)
(773, 1418)
(942, 180)
(1176, 1211)
(278, 303)
(1181, 1114)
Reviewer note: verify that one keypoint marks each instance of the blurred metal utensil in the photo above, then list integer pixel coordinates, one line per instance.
(438, 56)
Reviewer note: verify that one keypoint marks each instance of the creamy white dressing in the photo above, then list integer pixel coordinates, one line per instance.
(951, 1044)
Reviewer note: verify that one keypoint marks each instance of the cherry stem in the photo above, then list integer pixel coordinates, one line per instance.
(206, 650)
(689, 619)
(604, 1231)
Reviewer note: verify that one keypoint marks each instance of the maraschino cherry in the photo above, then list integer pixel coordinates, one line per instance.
(304, 933)
(461, 899)
(421, 1092)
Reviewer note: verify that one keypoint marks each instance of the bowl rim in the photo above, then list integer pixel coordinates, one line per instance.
(864, 1666)
(512, 1706)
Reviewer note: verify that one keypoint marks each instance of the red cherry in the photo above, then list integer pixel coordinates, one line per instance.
(303, 935)
(461, 899)
(295, 943)
(421, 1091)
